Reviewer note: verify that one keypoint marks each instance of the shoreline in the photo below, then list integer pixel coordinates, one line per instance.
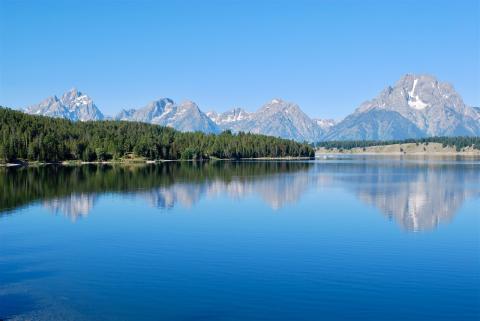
(319, 154)
(146, 162)
(430, 149)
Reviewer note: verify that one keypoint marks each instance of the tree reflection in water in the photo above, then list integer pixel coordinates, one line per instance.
(418, 195)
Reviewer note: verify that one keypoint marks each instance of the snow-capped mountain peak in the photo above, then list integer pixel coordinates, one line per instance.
(276, 101)
(228, 117)
(326, 124)
(73, 105)
(276, 118)
(185, 117)
(417, 105)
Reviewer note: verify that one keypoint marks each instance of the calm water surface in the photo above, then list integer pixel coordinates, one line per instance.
(338, 239)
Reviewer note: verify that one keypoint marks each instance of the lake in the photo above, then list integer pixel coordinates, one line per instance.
(341, 238)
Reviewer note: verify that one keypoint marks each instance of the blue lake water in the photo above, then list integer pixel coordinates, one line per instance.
(371, 238)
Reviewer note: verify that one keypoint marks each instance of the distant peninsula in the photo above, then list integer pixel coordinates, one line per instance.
(422, 146)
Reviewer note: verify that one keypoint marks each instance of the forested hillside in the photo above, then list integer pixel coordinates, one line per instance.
(38, 138)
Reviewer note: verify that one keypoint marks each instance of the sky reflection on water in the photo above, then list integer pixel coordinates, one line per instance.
(276, 241)
(417, 195)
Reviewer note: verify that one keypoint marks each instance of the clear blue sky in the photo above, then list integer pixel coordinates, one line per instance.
(327, 56)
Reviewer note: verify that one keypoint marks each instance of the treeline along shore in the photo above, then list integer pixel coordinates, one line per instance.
(27, 138)
(468, 145)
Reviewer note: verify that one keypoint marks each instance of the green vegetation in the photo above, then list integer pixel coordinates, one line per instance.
(22, 185)
(45, 139)
(458, 142)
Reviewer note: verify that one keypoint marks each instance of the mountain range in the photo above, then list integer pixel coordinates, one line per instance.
(416, 106)
(276, 118)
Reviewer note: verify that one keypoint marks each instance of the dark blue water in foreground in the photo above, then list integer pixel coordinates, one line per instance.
(349, 239)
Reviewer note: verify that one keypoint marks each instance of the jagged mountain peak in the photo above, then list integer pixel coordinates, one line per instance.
(278, 104)
(157, 106)
(432, 106)
(226, 118)
(276, 118)
(189, 105)
(409, 77)
(275, 101)
(415, 92)
(284, 108)
(125, 114)
(186, 116)
(74, 97)
(73, 92)
(51, 99)
(325, 124)
(72, 105)
(415, 105)
(212, 114)
(160, 102)
(412, 82)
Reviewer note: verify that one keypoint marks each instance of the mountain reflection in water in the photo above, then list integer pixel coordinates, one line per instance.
(418, 195)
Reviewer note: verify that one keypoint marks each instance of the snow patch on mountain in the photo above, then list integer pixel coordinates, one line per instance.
(434, 107)
(325, 124)
(164, 111)
(73, 105)
(416, 106)
(276, 118)
(413, 100)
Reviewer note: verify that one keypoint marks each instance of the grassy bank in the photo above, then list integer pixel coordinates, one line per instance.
(403, 149)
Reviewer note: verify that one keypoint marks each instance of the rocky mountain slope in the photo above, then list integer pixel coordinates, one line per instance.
(276, 118)
(184, 117)
(416, 106)
(434, 109)
(325, 124)
(375, 124)
(73, 105)
(229, 118)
